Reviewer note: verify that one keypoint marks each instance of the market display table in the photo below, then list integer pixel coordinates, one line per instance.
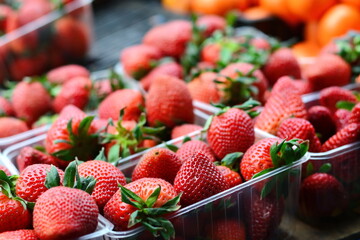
(121, 23)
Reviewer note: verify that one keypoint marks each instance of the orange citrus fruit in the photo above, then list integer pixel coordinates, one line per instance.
(310, 32)
(279, 8)
(255, 13)
(178, 6)
(309, 10)
(219, 7)
(337, 21)
(354, 3)
(305, 49)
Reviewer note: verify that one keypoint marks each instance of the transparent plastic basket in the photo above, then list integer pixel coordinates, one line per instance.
(198, 220)
(43, 44)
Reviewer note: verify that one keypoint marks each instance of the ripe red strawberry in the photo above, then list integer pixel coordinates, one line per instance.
(169, 102)
(171, 38)
(355, 114)
(281, 63)
(321, 118)
(239, 89)
(6, 108)
(118, 211)
(329, 70)
(260, 43)
(5, 12)
(259, 158)
(204, 89)
(188, 149)
(68, 139)
(74, 92)
(302, 129)
(210, 24)
(232, 178)
(198, 179)
(107, 177)
(330, 96)
(64, 213)
(229, 132)
(227, 229)
(210, 53)
(11, 126)
(315, 192)
(72, 38)
(29, 65)
(184, 130)
(170, 68)
(138, 59)
(282, 104)
(31, 182)
(28, 105)
(70, 111)
(61, 75)
(265, 216)
(349, 134)
(129, 99)
(29, 156)
(19, 235)
(341, 118)
(3, 168)
(157, 163)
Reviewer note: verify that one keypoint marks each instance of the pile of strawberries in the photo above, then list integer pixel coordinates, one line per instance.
(56, 43)
(161, 182)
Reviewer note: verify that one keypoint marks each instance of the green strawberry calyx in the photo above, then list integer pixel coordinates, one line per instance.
(285, 153)
(8, 186)
(125, 139)
(72, 178)
(149, 216)
(345, 105)
(231, 161)
(325, 168)
(81, 144)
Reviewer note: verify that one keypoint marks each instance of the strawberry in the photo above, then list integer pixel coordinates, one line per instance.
(230, 131)
(188, 149)
(341, 118)
(5, 12)
(210, 24)
(171, 38)
(129, 99)
(127, 207)
(61, 75)
(31, 182)
(210, 53)
(286, 82)
(29, 65)
(68, 139)
(28, 105)
(268, 154)
(349, 134)
(139, 59)
(29, 156)
(169, 68)
(329, 70)
(74, 92)
(261, 43)
(264, 217)
(66, 212)
(11, 126)
(198, 178)
(330, 96)
(3, 168)
(157, 163)
(6, 108)
(283, 103)
(238, 81)
(19, 235)
(204, 89)
(107, 177)
(184, 130)
(355, 114)
(70, 111)
(302, 129)
(72, 38)
(227, 229)
(232, 178)
(281, 63)
(315, 192)
(14, 211)
(321, 118)
(169, 102)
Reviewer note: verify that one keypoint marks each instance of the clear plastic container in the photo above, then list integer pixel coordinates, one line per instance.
(199, 220)
(57, 38)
